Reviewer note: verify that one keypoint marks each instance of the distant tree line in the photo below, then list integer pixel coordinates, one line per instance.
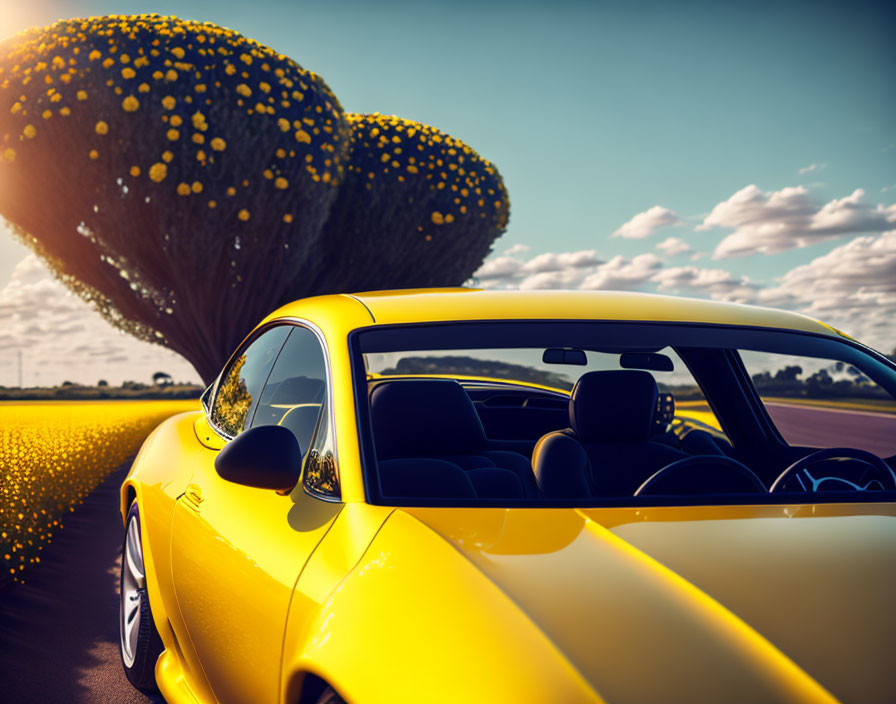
(791, 382)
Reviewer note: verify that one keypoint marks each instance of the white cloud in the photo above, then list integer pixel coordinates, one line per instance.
(63, 338)
(674, 245)
(517, 249)
(718, 283)
(621, 273)
(548, 270)
(646, 223)
(775, 221)
(853, 287)
(812, 167)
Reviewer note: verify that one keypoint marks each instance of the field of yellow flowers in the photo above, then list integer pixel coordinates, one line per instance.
(52, 455)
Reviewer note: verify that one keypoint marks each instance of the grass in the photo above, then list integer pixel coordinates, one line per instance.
(52, 455)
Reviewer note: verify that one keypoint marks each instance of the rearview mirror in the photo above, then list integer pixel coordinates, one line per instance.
(265, 457)
(564, 355)
(651, 361)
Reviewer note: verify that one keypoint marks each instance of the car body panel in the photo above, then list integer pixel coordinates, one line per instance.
(429, 305)
(159, 474)
(413, 617)
(773, 600)
(235, 558)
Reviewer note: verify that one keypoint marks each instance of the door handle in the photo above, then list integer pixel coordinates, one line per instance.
(193, 496)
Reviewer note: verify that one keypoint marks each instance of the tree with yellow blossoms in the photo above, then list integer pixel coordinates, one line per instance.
(187, 180)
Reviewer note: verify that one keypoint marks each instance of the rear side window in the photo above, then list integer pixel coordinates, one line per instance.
(241, 384)
(295, 397)
(294, 394)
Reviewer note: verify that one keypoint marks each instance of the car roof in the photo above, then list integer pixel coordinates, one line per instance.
(469, 304)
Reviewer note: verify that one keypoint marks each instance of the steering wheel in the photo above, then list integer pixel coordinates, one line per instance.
(799, 470)
(703, 474)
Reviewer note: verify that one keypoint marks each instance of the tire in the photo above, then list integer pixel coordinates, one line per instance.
(139, 643)
(329, 696)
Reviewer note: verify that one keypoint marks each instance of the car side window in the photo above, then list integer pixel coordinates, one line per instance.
(240, 389)
(295, 397)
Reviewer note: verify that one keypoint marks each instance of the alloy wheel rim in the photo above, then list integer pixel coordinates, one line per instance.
(133, 583)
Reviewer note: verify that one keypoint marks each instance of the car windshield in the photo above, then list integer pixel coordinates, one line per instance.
(589, 414)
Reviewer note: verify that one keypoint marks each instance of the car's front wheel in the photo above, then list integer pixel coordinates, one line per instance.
(139, 642)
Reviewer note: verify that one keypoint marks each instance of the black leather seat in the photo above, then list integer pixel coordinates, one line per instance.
(434, 419)
(611, 416)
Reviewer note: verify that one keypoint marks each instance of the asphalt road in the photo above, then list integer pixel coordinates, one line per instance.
(59, 630)
(829, 427)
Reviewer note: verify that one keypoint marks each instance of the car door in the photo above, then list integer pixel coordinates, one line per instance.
(237, 551)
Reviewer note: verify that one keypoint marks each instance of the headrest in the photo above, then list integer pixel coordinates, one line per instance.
(613, 406)
(561, 465)
(424, 418)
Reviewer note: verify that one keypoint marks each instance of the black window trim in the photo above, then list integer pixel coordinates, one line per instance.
(367, 453)
(291, 322)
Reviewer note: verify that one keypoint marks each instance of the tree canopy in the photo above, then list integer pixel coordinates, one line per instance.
(187, 180)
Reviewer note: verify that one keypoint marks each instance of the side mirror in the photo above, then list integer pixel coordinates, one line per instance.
(265, 457)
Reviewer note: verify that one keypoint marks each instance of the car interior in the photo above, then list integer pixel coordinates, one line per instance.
(613, 439)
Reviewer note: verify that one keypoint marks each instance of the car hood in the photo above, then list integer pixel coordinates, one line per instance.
(771, 603)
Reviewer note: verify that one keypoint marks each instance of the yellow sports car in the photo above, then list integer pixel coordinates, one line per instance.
(472, 496)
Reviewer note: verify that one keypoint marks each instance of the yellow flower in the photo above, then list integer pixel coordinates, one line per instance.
(47, 114)
(303, 137)
(287, 218)
(244, 90)
(143, 88)
(101, 127)
(130, 104)
(175, 121)
(127, 72)
(283, 124)
(171, 75)
(158, 172)
(243, 215)
(94, 154)
(266, 87)
(82, 95)
(196, 187)
(16, 107)
(167, 156)
(183, 189)
(168, 102)
(9, 155)
(198, 138)
(437, 218)
(172, 135)
(94, 55)
(178, 52)
(268, 174)
(218, 144)
(281, 183)
(135, 171)
(199, 121)
(231, 191)
(65, 111)
(29, 131)
(212, 204)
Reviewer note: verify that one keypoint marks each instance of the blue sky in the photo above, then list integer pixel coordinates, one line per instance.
(595, 112)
